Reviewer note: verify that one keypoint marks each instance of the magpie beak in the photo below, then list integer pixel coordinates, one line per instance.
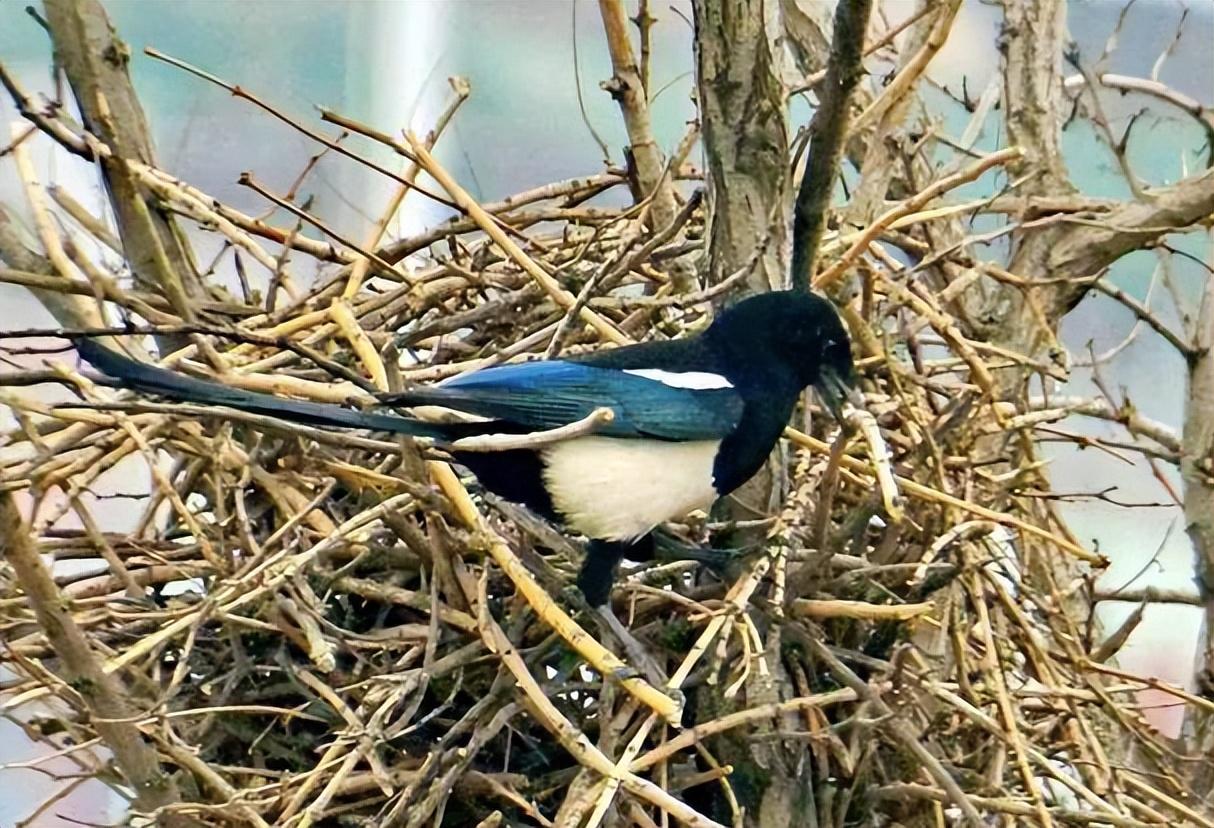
(835, 391)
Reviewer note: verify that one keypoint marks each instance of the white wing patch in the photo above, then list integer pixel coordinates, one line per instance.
(615, 489)
(697, 380)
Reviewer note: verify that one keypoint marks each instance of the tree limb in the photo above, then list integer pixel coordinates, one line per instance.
(1197, 471)
(1090, 247)
(828, 131)
(628, 89)
(95, 62)
(741, 104)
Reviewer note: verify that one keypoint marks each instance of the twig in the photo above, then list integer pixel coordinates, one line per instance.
(628, 89)
(561, 296)
(247, 180)
(597, 655)
(536, 439)
(834, 608)
(832, 274)
(335, 146)
(926, 492)
(864, 421)
(895, 725)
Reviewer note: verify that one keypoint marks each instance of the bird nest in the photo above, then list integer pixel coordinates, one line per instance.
(316, 627)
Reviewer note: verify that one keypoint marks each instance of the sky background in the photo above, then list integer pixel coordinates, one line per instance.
(386, 63)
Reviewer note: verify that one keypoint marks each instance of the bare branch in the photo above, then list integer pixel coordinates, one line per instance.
(95, 62)
(628, 89)
(827, 134)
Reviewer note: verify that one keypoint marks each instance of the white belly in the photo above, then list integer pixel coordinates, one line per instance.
(615, 489)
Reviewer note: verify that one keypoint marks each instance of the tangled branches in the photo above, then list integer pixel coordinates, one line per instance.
(309, 627)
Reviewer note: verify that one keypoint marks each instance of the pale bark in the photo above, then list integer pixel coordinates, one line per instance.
(95, 62)
(628, 88)
(1197, 471)
(742, 113)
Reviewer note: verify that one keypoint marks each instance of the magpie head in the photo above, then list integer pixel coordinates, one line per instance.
(788, 338)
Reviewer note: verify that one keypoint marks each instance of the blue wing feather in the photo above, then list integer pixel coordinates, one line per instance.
(552, 393)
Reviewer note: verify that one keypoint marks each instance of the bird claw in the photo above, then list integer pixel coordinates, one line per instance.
(669, 549)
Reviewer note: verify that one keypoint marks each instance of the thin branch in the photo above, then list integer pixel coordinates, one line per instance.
(589, 424)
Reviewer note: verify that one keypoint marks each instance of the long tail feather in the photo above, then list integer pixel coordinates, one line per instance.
(150, 379)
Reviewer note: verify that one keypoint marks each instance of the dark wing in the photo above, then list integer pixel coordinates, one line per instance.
(549, 394)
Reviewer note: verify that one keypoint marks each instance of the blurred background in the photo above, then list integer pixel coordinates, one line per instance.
(537, 115)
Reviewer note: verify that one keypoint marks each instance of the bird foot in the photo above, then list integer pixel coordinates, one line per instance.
(669, 549)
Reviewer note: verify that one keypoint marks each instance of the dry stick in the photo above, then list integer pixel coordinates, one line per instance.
(363, 348)
(52, 126)
(735, 602)
(261, 580)
(574, 740)
(828, 485)
(462, 90)
(172, 190)
(1186, 349)
(1013, 807)
(595, 653)
(901, 85)
(509, 442)
(103, 695)
(117, 567)
(1043, 410)
(891, 498)
(1011, 727)
(247, 180)
(628, 89)
(321, 250)
(916, 202)
(702, 731)
(486, 222)
(822, 608)
(923, 492)
(43, 224)
(95, 227)
(238, 92)
(829, 129)
(991, 725)
(814, 79)
(946, 327)
(1179, 807)
(895, 726)
(160, 478)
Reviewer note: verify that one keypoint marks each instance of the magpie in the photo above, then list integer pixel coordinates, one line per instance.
(694, 418)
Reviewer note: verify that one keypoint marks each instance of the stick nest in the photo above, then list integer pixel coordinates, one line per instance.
(368, 639)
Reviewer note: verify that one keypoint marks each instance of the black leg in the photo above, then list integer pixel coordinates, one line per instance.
(602, 558)
(595, 581)
(598, 570)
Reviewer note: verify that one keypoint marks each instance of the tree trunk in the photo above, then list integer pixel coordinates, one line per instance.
(1197, 471)
(743, 116)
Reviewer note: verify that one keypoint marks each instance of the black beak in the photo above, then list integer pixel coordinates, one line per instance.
(835, 391)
